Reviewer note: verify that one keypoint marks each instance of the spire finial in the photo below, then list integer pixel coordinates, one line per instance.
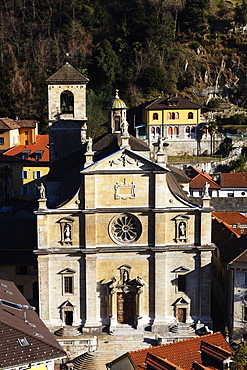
(117, 96)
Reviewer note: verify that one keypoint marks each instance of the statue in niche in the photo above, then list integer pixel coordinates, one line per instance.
(125, 276)
(67, 233)
(90, 145)
(182, 231)
(41, 191)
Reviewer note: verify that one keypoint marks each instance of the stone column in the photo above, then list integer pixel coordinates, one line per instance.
(92, 299)
(160, 296)
(206, 258)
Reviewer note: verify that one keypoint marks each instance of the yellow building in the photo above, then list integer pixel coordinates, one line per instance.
(15, 132)
(179, 121)
(25, 167)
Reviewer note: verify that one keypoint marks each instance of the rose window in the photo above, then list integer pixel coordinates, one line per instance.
(125, 228)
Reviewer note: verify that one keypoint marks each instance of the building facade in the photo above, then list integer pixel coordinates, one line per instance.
(122, 245)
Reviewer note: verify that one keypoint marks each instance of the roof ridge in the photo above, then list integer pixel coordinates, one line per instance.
(172, 343)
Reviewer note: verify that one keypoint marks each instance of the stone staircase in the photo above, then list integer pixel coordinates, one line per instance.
(119, 342)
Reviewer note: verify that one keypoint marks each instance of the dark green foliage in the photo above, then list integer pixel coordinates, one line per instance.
(194, 18)
(239, 165)
(214, 103)
(241, 13)
(97, 113)
(240, 358)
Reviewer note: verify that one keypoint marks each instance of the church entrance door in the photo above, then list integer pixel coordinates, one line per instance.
(181, 314)
(126, 308)
(68, 317)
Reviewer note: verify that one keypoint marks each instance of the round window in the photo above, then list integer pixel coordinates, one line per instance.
(125, 228)
(243, 193)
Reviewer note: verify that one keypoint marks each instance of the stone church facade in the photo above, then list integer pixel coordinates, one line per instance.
(119, 242)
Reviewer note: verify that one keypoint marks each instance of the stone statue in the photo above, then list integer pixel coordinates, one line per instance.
(67, 233)
(160, 144)
(182, 230)
(41, 191)
(206, 188)
(124, 128)
(125, 276)
(90, 145)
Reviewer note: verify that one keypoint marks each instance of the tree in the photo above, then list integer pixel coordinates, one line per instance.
(212, 129)
(241, 14)
(240, 358)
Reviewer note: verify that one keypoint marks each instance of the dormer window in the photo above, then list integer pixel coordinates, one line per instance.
(25, 154)
(173, 103)
(67, 102)
(38, 155)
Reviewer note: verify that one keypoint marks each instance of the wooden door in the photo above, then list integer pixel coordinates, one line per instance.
(68, 317)
(181, 314)
(126, 308)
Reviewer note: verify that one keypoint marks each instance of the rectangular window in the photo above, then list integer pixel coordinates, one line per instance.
(181, 283)
(24, 174)
(68, 285)
(245, 278)
(231, 195)
(244, 313)
(24, 190)
(37, 174)
(1, 140)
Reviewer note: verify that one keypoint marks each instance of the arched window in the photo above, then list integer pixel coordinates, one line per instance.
(176, 115)
(190, 115)
(155, 116)
(193, 131)
(152, 132)
(175, 131)
(187, 130)
(173, 115)
(117, 123)
(157, 130)
(67, 102)
(170, 131)
(169, 115)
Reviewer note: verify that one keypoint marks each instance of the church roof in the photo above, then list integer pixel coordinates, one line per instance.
(116, 103)
(67, 74)
(114, 140)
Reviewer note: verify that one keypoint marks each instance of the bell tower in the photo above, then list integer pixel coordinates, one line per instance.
(66, 111)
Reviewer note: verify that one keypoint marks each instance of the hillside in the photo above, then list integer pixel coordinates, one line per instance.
(195, 48)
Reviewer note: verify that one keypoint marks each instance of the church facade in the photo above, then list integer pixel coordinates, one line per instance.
(121, 244)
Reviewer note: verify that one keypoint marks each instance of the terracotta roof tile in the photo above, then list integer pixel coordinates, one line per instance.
(232, 218)
(199, 181)
(183, 353)
(15, 154)
(234, 180)
(25, 123)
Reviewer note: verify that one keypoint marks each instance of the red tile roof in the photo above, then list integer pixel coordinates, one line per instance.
(184, 353)
(15, 154)
(234, 180)
(232, 218)
(199, 181)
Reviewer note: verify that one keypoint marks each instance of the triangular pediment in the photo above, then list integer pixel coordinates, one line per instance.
(66, 304)
(181, 269)
(67, 271)
(125, 160)
(180, 301)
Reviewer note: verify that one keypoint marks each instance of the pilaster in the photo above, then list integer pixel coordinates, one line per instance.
(92, 299)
